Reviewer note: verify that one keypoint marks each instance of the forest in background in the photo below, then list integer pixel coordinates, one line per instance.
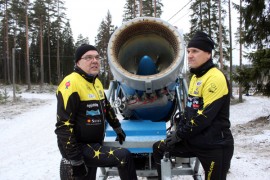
(37, 44)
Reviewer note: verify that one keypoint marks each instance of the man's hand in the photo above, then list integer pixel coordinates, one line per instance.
(179, 119)
(79, 168)
(121, 135)
(172, 138)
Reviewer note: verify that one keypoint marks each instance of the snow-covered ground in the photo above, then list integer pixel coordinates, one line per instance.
(28, 149)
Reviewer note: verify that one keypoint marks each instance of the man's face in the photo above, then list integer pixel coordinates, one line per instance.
(90, 62)
(197, 57)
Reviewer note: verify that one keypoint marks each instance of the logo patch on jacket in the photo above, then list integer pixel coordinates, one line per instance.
(91, 122)
(198, 84)
(212, 88)
(195, 102)
(92, 113)
(91, 95)
(67, 84)
(92, 105)
(100, 94)
(89, 88)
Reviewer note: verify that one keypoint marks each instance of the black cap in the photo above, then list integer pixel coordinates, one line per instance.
(202, 41)
(81, 50)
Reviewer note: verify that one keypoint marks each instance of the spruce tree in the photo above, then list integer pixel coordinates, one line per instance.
(256, 36)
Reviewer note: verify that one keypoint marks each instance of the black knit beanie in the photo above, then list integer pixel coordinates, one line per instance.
(202, 41)
(81, 50)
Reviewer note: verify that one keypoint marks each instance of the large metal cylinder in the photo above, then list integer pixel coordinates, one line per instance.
(146, 36)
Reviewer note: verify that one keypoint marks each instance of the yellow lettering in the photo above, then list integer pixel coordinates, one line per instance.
(210, 170)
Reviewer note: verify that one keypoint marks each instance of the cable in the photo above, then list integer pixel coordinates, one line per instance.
(181, 17)
(179, 10)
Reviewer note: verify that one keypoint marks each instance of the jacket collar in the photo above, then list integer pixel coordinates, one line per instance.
(90, 78)
(200, 71)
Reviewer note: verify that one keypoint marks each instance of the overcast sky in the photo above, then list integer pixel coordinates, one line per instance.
(86, 15)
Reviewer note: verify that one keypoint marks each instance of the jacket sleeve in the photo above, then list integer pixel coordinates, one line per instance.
(110, 115)
(67, 103)
(202, 111)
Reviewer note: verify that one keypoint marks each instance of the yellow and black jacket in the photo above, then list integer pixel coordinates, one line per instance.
(206, 121)
(82, 109)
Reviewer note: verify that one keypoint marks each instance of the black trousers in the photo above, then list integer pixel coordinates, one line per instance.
(215, 162)
(96, 155)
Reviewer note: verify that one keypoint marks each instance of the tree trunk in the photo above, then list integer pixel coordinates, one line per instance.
(58, 58)
(49, 55)
(230, 33)
(155, 8)
(140, 8)
(7, 47)
(41, 55)
(240, 51)
(220, 37)
(27, 48)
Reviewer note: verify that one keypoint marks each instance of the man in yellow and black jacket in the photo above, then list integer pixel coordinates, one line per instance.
(82, 112)
(204, 128)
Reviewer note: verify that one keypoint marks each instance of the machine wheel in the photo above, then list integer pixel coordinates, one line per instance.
(65, 170)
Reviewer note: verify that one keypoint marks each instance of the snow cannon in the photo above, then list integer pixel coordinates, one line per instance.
(146, 56)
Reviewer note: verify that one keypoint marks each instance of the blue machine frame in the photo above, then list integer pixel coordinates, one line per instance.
(142, 134)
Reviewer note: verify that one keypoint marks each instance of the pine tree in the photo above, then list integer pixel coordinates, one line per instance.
(2, 59)
(131, 9)
(104, 33)
(39, 17)
(16, 21)
(68, 50)
(6, 30)
(204, 18)
(51, 6)
(27, 63)
(150, 8)
(60, 22)
(81, 40)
